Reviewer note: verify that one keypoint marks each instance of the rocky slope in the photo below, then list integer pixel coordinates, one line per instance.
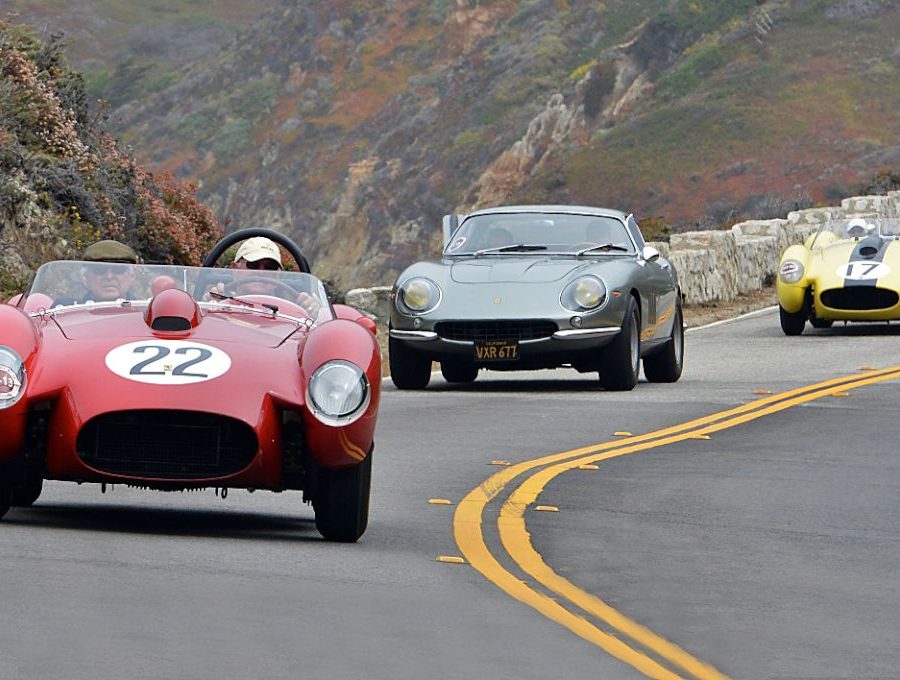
(353, 126)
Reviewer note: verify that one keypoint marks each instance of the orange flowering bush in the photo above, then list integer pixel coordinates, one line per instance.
(78, 180)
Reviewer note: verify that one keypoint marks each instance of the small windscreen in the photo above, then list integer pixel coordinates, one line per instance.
(66, 283)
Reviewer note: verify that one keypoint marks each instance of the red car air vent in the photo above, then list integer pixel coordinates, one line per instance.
(172, 310)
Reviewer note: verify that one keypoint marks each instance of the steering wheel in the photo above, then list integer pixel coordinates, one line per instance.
(288, 292)
(242, 234)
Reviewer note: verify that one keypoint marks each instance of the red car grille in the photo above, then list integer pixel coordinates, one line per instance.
(517, 329)
(859, 297)
(166, 444)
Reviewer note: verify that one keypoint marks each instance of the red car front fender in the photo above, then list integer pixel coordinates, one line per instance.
(345, 445)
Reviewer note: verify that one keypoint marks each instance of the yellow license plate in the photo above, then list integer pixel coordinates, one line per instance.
(496, 350)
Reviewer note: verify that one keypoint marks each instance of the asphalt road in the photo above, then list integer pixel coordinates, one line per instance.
(768, 550)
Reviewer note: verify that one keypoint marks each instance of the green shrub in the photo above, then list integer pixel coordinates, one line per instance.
(655, 229)
(159, 81)
(691, 72)
(232, 137)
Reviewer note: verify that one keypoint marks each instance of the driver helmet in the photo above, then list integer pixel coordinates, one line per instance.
(857, 227)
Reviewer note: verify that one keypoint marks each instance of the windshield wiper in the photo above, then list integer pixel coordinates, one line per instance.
(515, 248)
(604, 247)
(241, 301)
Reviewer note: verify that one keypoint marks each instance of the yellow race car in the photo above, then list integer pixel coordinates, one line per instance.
(849, 270)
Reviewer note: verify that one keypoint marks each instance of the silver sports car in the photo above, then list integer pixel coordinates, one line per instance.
(528, 287)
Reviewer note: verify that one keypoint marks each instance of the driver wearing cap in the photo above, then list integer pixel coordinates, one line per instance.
(857, 228)
(261, 254)
(258, 252)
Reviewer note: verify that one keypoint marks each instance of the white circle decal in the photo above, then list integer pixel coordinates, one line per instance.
(167, 362)
(863, 270)
(457, 244)
(10, 386)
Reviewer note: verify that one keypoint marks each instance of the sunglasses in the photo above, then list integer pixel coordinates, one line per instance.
(268, 265)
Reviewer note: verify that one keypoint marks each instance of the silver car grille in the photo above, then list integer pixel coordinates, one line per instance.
(513, 329)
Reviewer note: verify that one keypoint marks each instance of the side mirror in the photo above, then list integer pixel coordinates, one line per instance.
(650, 254)
(449, 225)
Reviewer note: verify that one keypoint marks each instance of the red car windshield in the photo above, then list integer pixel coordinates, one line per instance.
(65, 283)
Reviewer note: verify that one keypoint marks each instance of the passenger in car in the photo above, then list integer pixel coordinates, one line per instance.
(108, 273)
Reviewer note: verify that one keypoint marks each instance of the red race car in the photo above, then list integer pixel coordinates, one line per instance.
(192, 377)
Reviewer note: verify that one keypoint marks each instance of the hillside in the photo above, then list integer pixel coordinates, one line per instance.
(353, 126)
(128, 50)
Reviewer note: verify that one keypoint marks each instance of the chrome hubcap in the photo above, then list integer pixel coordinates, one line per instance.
(678, 338)
(635, 351)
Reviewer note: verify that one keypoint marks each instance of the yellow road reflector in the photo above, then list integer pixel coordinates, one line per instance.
(621, 433)
(841, 394)
(762, 391)
(700, 436)
(499, 462)
(439, 501)
(452, 559)
(588, 466)
(546, 508)
(866, 368)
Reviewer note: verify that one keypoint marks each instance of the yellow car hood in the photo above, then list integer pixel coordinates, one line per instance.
(870, 261)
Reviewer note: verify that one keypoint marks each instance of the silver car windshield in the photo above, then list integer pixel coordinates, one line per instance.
(66, 283)
(539, 234)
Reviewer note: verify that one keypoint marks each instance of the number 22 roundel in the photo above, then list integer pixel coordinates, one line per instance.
(167, 362)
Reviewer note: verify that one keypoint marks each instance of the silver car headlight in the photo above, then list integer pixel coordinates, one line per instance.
(339, 392)
(12, 377)
(583, 294)
(791, 271)
(418, 295)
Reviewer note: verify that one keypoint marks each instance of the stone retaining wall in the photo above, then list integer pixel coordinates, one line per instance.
(713, 265)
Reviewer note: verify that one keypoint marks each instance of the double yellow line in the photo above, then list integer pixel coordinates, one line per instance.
(646, 651)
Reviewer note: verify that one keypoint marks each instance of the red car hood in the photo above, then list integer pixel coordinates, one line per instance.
(88, 357)
(120, 324)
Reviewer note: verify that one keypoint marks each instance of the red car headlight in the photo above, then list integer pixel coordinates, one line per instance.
(338, 392)
(12, 377)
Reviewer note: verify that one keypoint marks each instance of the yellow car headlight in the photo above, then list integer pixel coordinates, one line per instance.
(791, 271)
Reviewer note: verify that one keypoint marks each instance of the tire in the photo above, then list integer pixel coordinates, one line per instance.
(791, 324)
(621, 361)
(665, 366)
(342, 502)
(456, 371)
(24, 495)
(409, 370)
(5, 495)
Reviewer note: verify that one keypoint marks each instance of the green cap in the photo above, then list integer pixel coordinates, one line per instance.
(110, 251)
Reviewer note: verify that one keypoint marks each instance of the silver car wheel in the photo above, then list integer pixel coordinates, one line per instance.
(635, 345)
